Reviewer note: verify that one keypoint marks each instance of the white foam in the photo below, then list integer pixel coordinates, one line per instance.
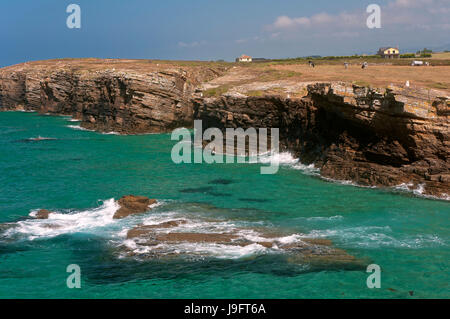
(60, 223)
(320, 218)
(374, 237)
(78, 127)
(111, 133)
(307, 169)
(201, 250)
(419, 191)
(284, 158)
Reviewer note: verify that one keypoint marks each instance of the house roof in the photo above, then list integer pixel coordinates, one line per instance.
(386, 48)
(245, 57)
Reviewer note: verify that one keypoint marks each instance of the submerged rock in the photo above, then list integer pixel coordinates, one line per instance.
(156, 242)
(42, 214)
(130, 205)
(143, 230)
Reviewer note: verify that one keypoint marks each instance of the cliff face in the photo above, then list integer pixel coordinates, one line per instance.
(351, 133)
(397, 136)
(147, 99)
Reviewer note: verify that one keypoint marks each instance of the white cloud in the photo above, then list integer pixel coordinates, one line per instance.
(407, 23)
(431, 14)
(323, 19)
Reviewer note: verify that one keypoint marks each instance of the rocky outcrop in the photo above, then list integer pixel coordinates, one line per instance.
(130, 205)
(156, 241)
(106, 95)
(371, 137)
(397, 136)
(42, 214)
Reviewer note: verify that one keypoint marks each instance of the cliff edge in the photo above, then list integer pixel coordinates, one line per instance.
(373, 137)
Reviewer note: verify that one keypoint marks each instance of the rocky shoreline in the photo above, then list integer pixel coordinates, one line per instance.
(195, 237)
(388, 137)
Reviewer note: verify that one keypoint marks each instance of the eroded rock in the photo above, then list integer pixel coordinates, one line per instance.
(42, 214)
(351, 133)
(316, 252)
(130, 205)
(144, 230)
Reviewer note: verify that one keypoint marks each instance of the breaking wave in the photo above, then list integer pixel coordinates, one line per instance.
(288, 160)
(373, 237)
(419, 191)
(78, 127)
(61, 223)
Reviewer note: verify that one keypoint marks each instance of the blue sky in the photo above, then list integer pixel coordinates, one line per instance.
(212, 29)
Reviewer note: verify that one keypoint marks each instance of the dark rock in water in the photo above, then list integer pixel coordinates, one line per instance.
(221, 181)
(196, 237)
(42, 214)
(197, 190)
(131, 204)
(325, 257)
(37, 139)
(255, 200)
(312, 253)
(392, 289)
(143, 230)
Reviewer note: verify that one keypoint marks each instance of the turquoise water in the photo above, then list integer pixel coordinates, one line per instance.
(78, 172)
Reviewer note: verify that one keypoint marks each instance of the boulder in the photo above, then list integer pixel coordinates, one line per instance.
(42, 214)
(130, 205)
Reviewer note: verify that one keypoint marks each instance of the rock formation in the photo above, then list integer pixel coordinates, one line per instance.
(372, 137)
(42, 214)
(158, 242)
(350, 132)
(130, 205)
(125, 96)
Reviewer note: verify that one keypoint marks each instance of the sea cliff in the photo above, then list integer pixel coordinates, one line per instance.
(373, 137)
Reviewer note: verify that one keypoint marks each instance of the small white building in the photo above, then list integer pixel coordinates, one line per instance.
(244, 58)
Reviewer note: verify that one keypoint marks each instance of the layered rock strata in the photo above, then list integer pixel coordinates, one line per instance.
(390, 137)
(373, 138)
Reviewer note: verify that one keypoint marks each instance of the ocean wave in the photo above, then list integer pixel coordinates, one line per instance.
(61, 223)
(419, 191)
(320, 218)
(199, 250)
(373, 237)
(80, 128)
(286, 159)
(346, 182)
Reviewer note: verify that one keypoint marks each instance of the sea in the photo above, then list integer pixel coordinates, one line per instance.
(79, 175)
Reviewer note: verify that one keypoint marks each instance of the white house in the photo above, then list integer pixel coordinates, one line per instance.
(244, 58)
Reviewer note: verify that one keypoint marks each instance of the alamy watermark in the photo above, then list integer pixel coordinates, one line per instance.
(74, 19)
(374, 279)
(245, 146)
(74, 279)
(374, 19)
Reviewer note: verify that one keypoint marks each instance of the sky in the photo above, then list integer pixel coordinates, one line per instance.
(214, 29)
